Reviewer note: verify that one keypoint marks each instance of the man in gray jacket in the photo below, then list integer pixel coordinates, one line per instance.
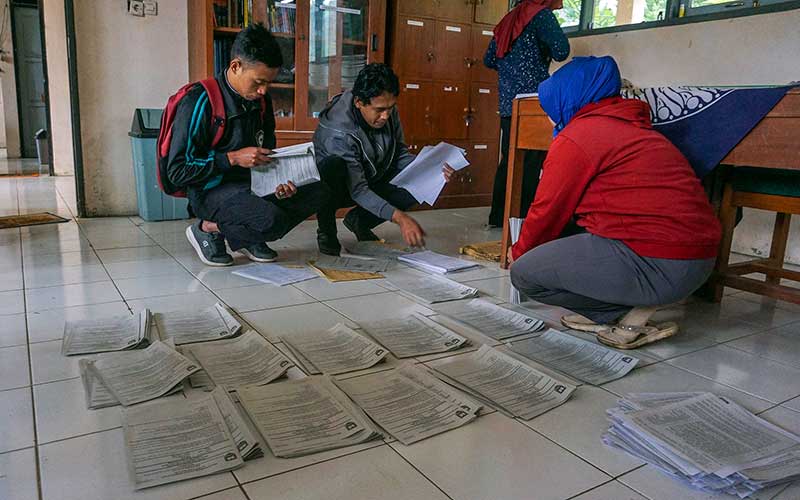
(360, 148)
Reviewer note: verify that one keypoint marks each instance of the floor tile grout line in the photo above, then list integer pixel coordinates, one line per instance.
(419, 471)
(612, 480)
(237, 487)
(76, 436)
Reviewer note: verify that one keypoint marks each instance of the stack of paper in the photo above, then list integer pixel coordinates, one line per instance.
(414, 335)
(433, 289)
(184, 327)
(106, 335)
(141, 375)
(275, 274)
(423, 177)
(377, 249)
(306, 416)
(354, 264)
(334, 351)
(291, 163)
(495, 321)
(436, 262)
(706, 441)
(505, 382)
(242, 429)
(245, 360)
(514, 227)
(592, 363)
(409, 403)
(176, 440)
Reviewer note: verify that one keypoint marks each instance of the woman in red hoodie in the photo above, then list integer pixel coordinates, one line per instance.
(650, 236)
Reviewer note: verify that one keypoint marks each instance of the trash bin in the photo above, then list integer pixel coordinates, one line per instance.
(42, 150)
(153, 204)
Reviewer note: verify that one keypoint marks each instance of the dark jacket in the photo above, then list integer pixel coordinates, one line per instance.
(192, 162)
(372, 156)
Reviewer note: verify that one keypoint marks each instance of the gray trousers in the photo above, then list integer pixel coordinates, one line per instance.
(603, 279)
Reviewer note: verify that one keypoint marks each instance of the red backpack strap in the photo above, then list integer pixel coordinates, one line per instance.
(218, 117)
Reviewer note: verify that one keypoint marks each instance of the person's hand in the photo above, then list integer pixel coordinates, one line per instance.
(411, 230)
(448, 172)
(284, 191)
(249, 157)
(510, 256)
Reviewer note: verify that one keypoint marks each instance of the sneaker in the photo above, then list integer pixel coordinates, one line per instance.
(260, 252)
(362, 234)
(210, 247)
(328, 244)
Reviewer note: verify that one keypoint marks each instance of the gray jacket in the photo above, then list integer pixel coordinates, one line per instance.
(372, 156)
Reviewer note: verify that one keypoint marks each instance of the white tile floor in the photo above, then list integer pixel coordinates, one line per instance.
(52, 448)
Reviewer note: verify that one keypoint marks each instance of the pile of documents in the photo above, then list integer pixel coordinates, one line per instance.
(306, 416)
(409, 403)
(275, 274)
(353, 267)
(106, 335)
(423, 177)
(514, 227)
(378, 250)
(587, 361)
(514, 386)
(494, 321)
(291, 163)
(433, 289)
(436, 262)
(705, 441)
(185, 327)
(336, 350)
(414, 335)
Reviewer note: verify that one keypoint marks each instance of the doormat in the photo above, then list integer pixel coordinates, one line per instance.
(32, 174)
(30, 220)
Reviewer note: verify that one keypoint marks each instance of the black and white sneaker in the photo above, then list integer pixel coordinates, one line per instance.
(210, 247)
(259, 253)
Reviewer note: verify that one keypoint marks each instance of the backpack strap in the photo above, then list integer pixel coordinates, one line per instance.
(218, 117)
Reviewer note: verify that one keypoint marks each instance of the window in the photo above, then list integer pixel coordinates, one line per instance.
(570, 15)
(609, 13)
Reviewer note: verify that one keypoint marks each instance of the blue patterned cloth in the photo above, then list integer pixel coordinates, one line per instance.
(528, 62)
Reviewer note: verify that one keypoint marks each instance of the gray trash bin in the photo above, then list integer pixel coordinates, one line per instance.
(43, 150)
(153, 204)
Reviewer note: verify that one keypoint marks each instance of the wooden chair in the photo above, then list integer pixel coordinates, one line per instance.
(775, 190)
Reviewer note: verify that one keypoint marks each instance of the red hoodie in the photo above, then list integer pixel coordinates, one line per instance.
(622, 180)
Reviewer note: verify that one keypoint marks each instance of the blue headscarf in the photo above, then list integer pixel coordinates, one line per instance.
(582, 81)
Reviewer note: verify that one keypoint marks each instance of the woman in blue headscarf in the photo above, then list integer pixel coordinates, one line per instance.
(650, 236)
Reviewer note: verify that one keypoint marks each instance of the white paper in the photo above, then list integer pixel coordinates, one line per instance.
(436, 262)
(414, 335)
(97, 395)
(176, 440)
(336, 350)
(592, 363)
(246, 440)
(106, 334)
(408, 409)
(517, 387)
(423, 177)
(245, 360)
(292, 163)
(433, 289)
(187, 326)
(525, 96)
(495, 321)
(514, 228)
(142, 375)
(275, 274)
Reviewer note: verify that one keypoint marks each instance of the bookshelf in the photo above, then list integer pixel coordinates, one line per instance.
(324, 45)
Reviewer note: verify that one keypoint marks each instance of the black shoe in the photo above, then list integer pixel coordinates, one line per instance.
(362, 233)
(328, 244)
(259, 252)
(210, 247)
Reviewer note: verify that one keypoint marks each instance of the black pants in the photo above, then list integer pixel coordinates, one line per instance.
(530, 176)
(246, 219)
(333, 171)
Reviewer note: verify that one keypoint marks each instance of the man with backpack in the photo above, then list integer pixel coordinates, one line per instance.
(213, 132)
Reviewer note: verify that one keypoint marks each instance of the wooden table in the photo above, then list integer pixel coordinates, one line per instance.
(773, 143)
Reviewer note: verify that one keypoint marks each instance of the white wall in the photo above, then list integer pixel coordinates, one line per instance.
(55, 34)
(124, 63)
(9, 126)
(762, 49)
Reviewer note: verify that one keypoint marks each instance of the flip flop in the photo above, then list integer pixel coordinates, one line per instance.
(631, 337)
(583, 324)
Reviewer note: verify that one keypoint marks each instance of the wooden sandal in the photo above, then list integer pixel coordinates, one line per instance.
(631, 337)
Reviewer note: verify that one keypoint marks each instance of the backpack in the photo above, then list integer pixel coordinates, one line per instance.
(218, 118)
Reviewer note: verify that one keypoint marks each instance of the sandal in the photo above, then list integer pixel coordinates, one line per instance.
(583, 324)
(631, 337)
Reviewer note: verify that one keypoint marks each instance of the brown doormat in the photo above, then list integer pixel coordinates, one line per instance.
(489, 250)
(33, 174)
(30, 220)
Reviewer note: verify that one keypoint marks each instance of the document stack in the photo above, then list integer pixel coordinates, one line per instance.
(409, 403)
(513, 386)
(275, 274)
(291, 163)
(706, 441)
(334, 351)
(436, 262)
(117, 333)
(494, 321)
(185, 327)
(352, 264)
(514, 228)
(433, 289)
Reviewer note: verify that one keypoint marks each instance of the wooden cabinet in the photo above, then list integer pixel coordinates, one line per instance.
(323, 48)
(446, 93)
